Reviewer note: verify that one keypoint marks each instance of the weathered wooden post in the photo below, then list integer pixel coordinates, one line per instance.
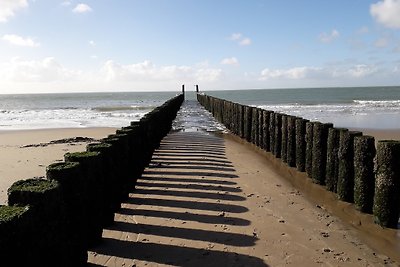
(320, 140)
(260, 128)
(301, 144)
(309, 147)
(278, 135)
(266, 134)
(291, 141)
(247, 123)
(254, 125)
(387, 185)
(332, 159)
(272, 132)
(364, 177)
(284, 141)
(241, 121)
(345, 186)
(197, 88)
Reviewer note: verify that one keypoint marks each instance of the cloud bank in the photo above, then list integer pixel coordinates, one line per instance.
(17, 40)
(387, 13)
(8, 8)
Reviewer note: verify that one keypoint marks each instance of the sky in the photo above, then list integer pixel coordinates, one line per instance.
(53, 46)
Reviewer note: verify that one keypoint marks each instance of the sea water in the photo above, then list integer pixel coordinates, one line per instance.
(38, 111)
(360, 107)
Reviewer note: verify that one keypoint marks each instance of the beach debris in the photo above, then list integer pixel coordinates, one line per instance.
(72, 140)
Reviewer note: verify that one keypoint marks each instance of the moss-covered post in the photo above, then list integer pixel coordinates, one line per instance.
(386, 208)
(266, 134)
(48, 242)
(90, 164)
(241, 120)
(309, 147)
(301, 144)
(320, 141)
(291, 141)
(247, 123)
(272, 132)
(254, 125)
(332, 159)
(16, 227)
(72, 187)
(278, 135)
(260, 128)
(345, 186)
(284, 137)
(364, 176)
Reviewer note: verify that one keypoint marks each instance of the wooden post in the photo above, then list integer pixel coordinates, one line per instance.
(301, 144)
(291, 141)
(364, 177)
(320, 140)
(332, 159)
(387, 186)
(345, 186)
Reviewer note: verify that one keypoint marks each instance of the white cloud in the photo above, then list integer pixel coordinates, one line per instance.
(82, 8)
(9, 7)
(240, 39)
(230, 61)
(245, 41)
(329, 37)
(361, 70)
(324, 74)
(387, 13)
(292, 73)
(46, 70)
(147, 71)
(20, 41)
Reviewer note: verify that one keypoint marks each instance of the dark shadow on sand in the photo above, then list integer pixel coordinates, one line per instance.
(201, 191)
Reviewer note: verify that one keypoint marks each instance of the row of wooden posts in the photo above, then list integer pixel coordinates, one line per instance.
(54, 221)
(344, 161)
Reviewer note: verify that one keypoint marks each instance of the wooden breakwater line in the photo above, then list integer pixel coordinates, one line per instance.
(346, 162)
(54, 221)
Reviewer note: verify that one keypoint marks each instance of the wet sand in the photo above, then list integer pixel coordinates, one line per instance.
(18, 162)
(217, 201)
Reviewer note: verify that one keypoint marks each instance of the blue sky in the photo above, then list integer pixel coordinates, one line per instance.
(114, 45)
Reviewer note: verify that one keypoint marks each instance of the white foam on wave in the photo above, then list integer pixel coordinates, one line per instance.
(65, 118)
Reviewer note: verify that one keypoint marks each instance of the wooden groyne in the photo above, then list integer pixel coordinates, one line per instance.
(344, 161)
(54, 221)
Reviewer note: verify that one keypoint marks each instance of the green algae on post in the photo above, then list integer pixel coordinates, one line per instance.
(319, 148)
(364, 177)
(345, 185)
(332, 159)
(301, 144)
(386, 207)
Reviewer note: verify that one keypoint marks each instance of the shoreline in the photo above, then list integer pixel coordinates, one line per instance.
(18, 162)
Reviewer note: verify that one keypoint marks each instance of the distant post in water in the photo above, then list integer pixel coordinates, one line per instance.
(197, 88)
(183, 89)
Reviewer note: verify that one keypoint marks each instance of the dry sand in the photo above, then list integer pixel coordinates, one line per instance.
(18, 163)
(214, 201)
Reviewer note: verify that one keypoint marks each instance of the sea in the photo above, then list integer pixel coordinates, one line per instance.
(356, 107)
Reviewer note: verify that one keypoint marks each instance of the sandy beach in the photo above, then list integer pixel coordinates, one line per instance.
(268, 219)
(25, 154)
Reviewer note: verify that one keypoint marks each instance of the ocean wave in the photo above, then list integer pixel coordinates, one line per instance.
(122, 108)
(378, 103)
